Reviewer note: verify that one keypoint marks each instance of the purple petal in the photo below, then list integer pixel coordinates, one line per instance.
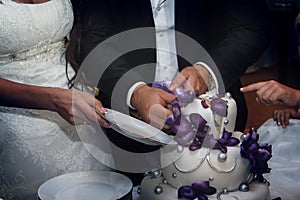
(187, 192)
(176, 113)
(209, 141)
(195, 146)
(178, 91)
(170, 120)
(182, 128)
(201, 135)
(232, 142)
(196, 93)
(197, 120)
(263, 155)
(253, 148)
(226, 134)
(219, 107)
(202, 197)
(186, 97)
(204, 188)
(160, 85)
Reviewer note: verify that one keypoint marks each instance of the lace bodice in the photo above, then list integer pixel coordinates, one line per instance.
(31, 36)
(23, 25)
(36, 145)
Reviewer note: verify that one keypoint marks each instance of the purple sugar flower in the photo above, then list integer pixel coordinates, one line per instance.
(197, 120)
(219, 106)
(187, 192)
(227, 139)
(195, 145)
(197, 190)
(161, 85)
(204, 188)
(258, 155)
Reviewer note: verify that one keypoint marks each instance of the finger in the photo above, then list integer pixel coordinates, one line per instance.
(158, 115)
(252, 87)
(286, 119)
(178, 81)
(167, 98)
(187, 86)
(273, 93)
(264, 92)
(276, 117)
(103, 122)
(281, 119)
(99, 107)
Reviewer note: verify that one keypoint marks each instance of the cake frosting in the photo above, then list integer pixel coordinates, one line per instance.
(211, 160)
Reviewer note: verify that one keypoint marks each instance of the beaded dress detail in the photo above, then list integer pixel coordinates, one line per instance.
(36, 145)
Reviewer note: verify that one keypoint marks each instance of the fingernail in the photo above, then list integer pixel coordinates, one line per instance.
(103, 110)
(106, 125)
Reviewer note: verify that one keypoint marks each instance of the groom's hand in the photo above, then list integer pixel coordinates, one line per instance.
(151, 104)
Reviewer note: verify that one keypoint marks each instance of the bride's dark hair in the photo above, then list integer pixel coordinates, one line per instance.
(73, 42)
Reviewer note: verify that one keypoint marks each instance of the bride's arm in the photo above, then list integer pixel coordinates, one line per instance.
(73, 105)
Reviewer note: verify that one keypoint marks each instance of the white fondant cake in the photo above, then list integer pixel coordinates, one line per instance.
(215, 169)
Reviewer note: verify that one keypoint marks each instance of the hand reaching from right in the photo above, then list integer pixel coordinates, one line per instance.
(282, 116)
(272, 92)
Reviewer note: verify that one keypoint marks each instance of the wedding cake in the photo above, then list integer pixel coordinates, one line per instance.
(210, 159)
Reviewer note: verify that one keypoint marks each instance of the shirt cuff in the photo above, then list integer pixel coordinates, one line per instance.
(212, 84)
(130, 92)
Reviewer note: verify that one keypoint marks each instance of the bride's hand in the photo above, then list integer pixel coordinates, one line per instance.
(78, 107)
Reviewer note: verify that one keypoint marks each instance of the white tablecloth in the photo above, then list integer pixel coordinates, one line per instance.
(285, 162)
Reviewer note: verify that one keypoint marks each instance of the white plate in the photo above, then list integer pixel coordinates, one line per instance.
(90, 185)
(137, 129)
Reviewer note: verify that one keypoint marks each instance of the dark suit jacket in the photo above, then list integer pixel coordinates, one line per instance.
(233, 32)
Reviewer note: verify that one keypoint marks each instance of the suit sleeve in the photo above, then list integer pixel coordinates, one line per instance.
(114, 63)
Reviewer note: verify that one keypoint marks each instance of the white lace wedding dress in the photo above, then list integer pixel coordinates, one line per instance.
(36, 145)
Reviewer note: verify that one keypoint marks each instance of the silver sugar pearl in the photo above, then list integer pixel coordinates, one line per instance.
(228, 95)
(264, 181)
(211, 178)
(222, 157)
(164, 181)
(158, 189)
(226, 122)
(180, 149)
(174, 175)
(243, 137)
(138, 190)
(244, 187)
(225, 191)
(155, 173)
(147, 173)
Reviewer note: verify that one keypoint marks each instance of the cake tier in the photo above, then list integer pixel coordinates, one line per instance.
(222, 170)
(158, 189)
